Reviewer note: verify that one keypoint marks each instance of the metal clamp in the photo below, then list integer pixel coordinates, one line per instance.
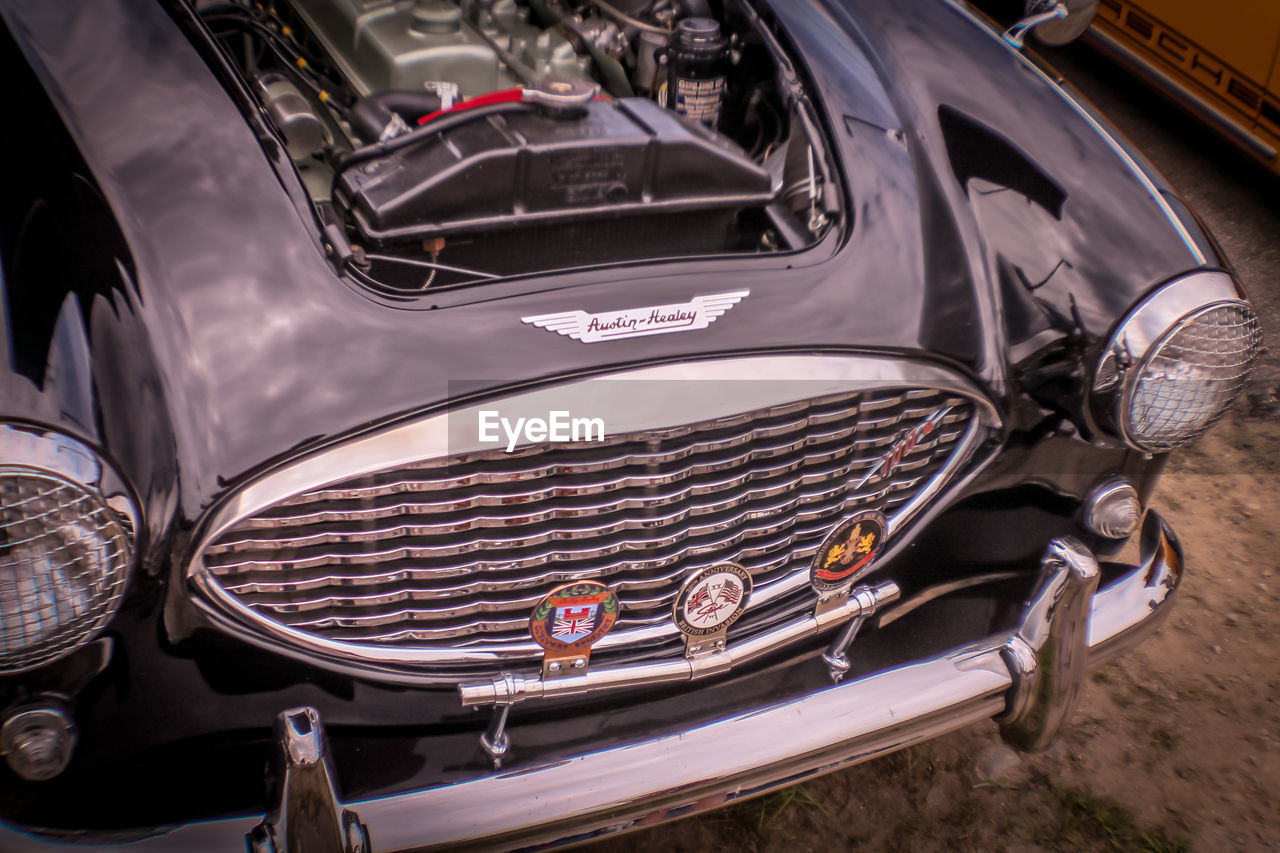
(308, 816)
(495, 741)
(836, 657)
(867, 601)
(564, 98)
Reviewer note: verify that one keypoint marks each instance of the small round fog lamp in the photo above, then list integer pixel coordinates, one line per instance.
(1113, 509)
(37, 742)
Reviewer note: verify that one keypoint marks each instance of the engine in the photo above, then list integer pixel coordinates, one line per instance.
(449, 141)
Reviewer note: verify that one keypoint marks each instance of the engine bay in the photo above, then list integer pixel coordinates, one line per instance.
(445, 142)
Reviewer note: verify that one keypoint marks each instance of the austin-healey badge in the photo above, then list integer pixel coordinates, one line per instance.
(698, 313)
(568, 621)
(709, 602)
(848, 551)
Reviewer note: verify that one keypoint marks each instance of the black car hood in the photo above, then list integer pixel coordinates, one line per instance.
(986, 214)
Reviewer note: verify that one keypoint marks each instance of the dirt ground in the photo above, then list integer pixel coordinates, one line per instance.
(1176, 746)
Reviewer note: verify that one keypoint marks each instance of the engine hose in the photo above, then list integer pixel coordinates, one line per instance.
(501, 96)
(615, 77)
(371, 114)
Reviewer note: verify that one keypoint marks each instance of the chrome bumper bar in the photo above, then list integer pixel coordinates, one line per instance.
(1028, 679)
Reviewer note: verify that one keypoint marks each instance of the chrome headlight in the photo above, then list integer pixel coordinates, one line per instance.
(66, 544)
(1177, 362)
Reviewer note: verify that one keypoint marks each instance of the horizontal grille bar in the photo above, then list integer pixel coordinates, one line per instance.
(374, 510)
(241, 540)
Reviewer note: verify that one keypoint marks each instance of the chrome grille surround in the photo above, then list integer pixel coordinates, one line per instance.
(349, 554)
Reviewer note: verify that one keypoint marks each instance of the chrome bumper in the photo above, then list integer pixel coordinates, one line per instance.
(1028, 679)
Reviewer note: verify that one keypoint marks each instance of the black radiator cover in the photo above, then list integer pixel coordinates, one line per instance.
(618, 159)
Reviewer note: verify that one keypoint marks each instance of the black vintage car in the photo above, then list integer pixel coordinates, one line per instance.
(452, 423)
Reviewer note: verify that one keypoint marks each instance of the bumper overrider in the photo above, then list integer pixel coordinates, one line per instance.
(1028, 679)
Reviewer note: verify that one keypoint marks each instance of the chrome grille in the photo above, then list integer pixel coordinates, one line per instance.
(453, 553)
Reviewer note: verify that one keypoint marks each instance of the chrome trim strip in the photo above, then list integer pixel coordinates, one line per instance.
(668, 776)
(700, 391)
(1087, 114)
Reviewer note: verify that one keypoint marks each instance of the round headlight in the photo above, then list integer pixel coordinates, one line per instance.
(1178, 362)
(66, 543)
(1192, 375)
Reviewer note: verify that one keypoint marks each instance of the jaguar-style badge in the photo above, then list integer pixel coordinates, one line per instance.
(848, 550)
(711, 600)
(573, 618)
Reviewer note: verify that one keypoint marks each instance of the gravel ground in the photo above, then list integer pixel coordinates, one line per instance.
(1176, 746)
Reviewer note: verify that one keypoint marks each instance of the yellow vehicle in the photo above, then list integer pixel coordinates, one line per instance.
(1219, 59)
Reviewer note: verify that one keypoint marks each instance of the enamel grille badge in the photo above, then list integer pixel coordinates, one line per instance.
(709, 602)
(848, 550)
(902, 445)
(712, 599)
(570, 620)
(698, 313)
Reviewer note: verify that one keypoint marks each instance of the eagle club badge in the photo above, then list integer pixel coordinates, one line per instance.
(847, 550)
(712, 599)
(573, 617)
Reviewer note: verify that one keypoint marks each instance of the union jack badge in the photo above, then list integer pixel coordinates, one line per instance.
(569, 620)
(848, 551)
(709, 602)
